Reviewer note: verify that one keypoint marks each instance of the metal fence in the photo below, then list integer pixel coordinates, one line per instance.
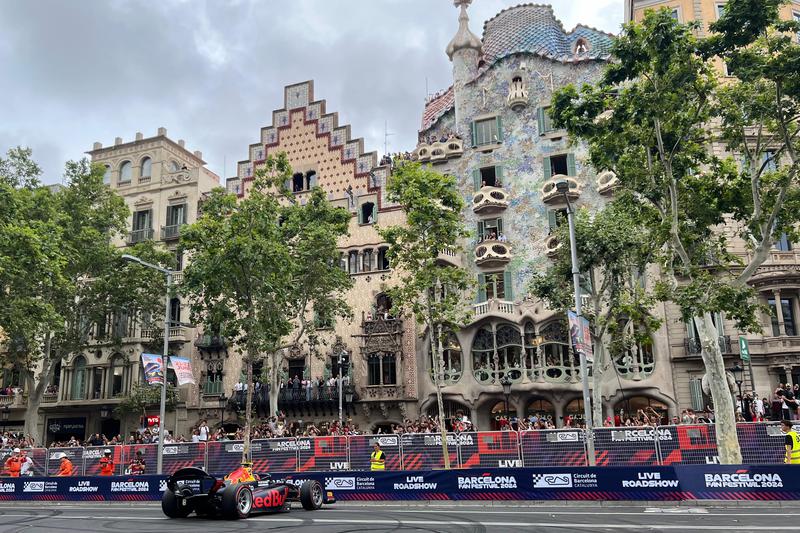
(761, 443)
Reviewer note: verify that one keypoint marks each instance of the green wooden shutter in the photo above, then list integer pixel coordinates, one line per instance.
(480, 229)
(540, 118)
(476, 177)
(498, 173)
(481, 288)
(548, 170)
(360, 218)
(474, 130)
(509, 292)
(374, 213)
(499, 225)
(499, 121)
(571, 164)
(690, 331)
(552, 219)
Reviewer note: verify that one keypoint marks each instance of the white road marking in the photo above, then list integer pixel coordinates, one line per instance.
(679, 510)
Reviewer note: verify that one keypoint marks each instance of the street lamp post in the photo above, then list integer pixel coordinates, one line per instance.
(340, 377)
(222, 401)
(562, 186)
(163, 407)
(506, 392)
(738, 374)
(6, 411)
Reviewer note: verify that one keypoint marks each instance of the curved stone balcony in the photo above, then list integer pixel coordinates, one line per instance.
(489, 200)
(439, 150)
(606, 182)
(449, 256)
(517, 96)
(492, 253)
(550, 191)
(552, 245)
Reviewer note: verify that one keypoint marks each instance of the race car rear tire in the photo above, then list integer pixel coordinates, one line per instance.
(311, 495)
(173, 505)
(237, 501)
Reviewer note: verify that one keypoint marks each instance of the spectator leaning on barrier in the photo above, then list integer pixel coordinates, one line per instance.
(377, 459)
(792, 443)
(13, 463)
(137, 465)
(65, 468)
(26, 464)
(106, 463)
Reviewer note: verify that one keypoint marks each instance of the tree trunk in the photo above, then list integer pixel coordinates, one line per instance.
(724, 415)
(598, 369)
(35, 392)
(439, 373)
(248, 410)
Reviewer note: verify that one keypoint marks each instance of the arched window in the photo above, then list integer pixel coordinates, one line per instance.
(213, 383)
(174, 166)
(297, 182)
(549, 356)
(383, 259)
(383, 305)
(630, 407)
(452, 409)
(573, 413)
(540, 409)
(483, 355)
(368, 213)
(506, 343)
(516, 79)
(107, 175)
(581, 46)
(78, 379)
(451, 358)
(117, 376)
(311, 180)
(366, 260)
(353, 260)
(509, 352)
(125, 172)
(147, 168)
(174, 311)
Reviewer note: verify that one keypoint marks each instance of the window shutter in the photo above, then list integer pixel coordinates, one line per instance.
(149, 223)
(481, 288)
(474, 129)
(184, 209)
(548, 170)
(374, 213)
(499, 121)
(509, 292)
(719, 323)
(540, 118)
(571, 164)
(480, 229)
(690, 331)
(696, 392)
(499, 225)
(476, 177)
(360, 217)
(498, 173)
(552, 219)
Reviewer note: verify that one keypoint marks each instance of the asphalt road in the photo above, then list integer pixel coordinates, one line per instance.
(447, 518)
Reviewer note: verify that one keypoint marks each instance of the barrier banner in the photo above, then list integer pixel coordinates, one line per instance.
(83, 488)
(762, 443)
(323, 453)
(176, 456)
(223, 456)
(276, 454)
(92, 456)
(75, 455)
(684, 444)
(423, 451)
(625, 446)
(37, 455)
(556, 447)
(361, 449)
(489, 449)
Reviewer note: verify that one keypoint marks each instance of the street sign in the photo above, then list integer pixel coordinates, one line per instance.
(744, 349)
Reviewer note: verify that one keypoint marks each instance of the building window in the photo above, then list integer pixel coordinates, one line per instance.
(311, 180)
(297, 369)
(213, 383)
(769, 161)
(116, 376)
(506, 343)
(783, 243)
(353, 262)
(675, 13)
(789, 324)
(298, 182)
(120, 319)
(176, 217)
(178, 259)
(491, 229)
(78, 391)
(323, 320)
(174, 312)
(383, 306)
(494, 285)
(581, 46)
(487, 131)
(796, 16)
(125, 172)
(556, 217)
(545, 122)
(488, 177)
(451, 358)
(383, 258)
(366, 260)
(720, 10)
(175, 167)
(368, 213)
(107, 175)
(563, 164)
(381, 369)
(142, 220)
(147, 168)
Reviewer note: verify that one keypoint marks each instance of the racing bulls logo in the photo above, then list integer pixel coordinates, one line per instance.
(273, 498)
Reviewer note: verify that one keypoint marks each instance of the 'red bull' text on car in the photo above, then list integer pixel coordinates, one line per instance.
(237, 495)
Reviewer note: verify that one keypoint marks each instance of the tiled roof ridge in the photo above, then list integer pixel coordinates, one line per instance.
(431, 114)
(579, 25)
(549, 7)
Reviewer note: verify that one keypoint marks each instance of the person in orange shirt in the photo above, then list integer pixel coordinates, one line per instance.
(65, 469)
(14, 463)
(107, 463)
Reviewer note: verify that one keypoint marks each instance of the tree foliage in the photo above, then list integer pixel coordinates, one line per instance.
(261, 265)
(652, 119)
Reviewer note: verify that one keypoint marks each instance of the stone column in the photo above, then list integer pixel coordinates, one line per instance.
(558, 407)
(788, 371)
(779, 312)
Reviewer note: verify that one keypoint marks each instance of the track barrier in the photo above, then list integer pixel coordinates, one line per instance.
(761, 444)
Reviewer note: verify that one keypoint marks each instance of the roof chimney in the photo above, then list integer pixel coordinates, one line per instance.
(162, 131)
(139, 136)
(198, 154)
(97, 145)
(181, 143)
(117, 141)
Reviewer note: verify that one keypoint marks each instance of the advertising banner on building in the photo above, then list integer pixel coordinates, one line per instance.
(153, 368)
(581, 335)
(183, 369)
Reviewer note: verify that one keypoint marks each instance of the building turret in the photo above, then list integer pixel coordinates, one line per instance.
(464, 51)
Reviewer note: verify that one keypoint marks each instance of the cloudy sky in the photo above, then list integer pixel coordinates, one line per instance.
(212, 71)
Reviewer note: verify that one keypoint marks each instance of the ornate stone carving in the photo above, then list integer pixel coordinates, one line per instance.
(176, 177)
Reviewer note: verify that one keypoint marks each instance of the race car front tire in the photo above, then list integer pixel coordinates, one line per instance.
(174, 506)
(237, 501)
(311, 495)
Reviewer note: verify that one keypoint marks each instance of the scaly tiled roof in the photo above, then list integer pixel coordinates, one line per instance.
(437, 107)
(533, 28)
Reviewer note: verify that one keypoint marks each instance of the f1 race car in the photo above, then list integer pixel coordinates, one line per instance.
(238, 495)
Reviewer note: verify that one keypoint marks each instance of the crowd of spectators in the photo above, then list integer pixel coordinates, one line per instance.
(17, 439)
(442, 138)
(10, 391)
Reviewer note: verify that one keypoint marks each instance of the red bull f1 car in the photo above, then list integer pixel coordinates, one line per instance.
(238, 495)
